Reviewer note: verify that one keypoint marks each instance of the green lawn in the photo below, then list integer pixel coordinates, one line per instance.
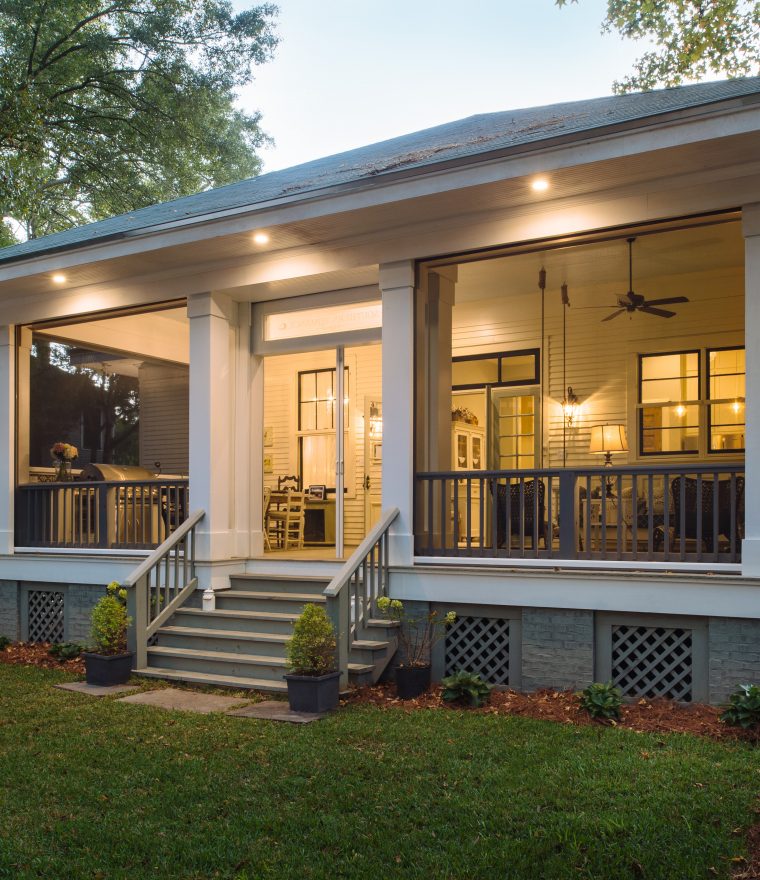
(96, 789)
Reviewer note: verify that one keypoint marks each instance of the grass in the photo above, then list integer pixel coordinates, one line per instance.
(98, 789)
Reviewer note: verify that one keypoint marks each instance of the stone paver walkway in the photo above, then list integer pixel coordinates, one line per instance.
(184, 701)
(95, 690)
(274, 710)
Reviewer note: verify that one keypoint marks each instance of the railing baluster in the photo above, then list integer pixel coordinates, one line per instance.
(666, 514)
(716, 514)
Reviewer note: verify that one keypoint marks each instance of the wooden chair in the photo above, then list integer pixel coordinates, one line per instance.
(686, 523)
(533, 530)
(265, 516)
(286, 523)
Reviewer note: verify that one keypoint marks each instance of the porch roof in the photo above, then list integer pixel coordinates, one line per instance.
(475, 138)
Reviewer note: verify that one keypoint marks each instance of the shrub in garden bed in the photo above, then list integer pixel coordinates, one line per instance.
(466, 687)
(602, 700)
(743, 709)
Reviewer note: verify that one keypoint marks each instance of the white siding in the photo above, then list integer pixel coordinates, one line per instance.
(164, 417)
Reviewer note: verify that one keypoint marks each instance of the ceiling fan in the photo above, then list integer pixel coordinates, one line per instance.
(634, 302)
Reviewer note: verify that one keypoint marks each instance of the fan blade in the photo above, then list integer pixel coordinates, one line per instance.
(668, 301)
(661, 313)
(614, 315)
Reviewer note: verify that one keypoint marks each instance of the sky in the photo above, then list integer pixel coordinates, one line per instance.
(352, 72)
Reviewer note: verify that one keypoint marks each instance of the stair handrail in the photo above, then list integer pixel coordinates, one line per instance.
(160, 585)
(361, 581)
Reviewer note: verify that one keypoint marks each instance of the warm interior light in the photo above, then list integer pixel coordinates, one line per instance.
(570, 407)
(261, 238)
(680, 410)
(58, 278)
(540, 184)
(736, 407)
(606, 439)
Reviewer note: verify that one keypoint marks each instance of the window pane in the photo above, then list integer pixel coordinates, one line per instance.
(518, 368)
(325, 380)
(669, 366)
(475, 372)
(729, 361)
(325, 414)
(670, 429)
(308, 420)
(666, 390)
(308, 387)
(318, 460)
(726, 426)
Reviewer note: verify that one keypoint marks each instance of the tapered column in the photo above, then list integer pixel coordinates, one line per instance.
(212, 391)
(751, 543)
(397, 288)
(7, 427)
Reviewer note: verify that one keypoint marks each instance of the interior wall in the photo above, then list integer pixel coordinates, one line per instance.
(601, 357)
(281, 421)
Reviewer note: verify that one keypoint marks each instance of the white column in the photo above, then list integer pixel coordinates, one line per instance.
(751, 543)
(7, 438)
(212, 376)
(23, 384)
(257, 455)
(397, 288)
(244, 433)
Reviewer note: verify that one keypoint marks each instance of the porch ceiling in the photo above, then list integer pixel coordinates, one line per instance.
(213, 248)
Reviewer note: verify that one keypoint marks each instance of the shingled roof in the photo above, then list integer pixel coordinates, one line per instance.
(465, 139)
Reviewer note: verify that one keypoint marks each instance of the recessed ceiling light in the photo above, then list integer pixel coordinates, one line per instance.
(261, 238)
(540, 184)
(59, 279)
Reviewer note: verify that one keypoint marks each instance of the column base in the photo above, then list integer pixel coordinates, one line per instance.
(751, 557)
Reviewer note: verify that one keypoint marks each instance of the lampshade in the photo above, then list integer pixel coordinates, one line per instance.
(608, 438)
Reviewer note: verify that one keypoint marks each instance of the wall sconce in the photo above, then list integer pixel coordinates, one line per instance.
(570, 407)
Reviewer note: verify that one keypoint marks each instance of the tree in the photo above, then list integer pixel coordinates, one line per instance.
(110, 105)
(693, 39)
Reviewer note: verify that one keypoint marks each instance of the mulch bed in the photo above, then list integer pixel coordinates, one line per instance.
(644, 716)
(27, 654)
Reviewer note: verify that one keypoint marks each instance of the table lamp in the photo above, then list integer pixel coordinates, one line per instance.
(606, 439)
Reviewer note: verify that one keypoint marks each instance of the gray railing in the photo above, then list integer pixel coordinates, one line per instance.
(160, 585)
(679, 513)
(133, 514)
(352, 593)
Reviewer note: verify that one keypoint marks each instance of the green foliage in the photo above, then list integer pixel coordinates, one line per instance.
(417, 632)
(601, 700)
(743, 709)
(466, 687)
(66, 650)
(4, 642)
(109, 624)
(109, 105)
(311, 651)
(692, 40)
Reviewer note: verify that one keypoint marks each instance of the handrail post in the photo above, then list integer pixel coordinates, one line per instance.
(137, 609)
(568, 515)
(339, 612)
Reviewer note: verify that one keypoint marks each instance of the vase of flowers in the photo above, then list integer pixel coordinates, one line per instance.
(63, 454)
(417, 635)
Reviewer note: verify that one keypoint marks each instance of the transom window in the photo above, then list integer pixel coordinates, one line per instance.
(681, 413)
(497, 369)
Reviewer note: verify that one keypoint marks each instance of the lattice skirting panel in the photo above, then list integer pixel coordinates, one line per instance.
(481, 645)
(654, 657)
(45, 616)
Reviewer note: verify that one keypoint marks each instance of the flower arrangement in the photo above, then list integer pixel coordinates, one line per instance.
(63, 454)
(417, 632)
(462, 414)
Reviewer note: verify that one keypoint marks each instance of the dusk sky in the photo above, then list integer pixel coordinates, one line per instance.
(352, 72)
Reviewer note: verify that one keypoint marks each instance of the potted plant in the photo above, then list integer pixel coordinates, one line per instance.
(313, 680)
(109, 662)
(417, 635)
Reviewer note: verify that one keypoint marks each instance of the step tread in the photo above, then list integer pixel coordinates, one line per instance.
(224, 612)
(241, 635)
(381, 621)
(253, 684)
(216, 656)
(289, 578)
(226, 657)
(275, 594)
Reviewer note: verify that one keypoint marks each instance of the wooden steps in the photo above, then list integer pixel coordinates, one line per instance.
(242, 643)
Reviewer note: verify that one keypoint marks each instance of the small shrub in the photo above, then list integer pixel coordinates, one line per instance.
(66, 651)
(417, 633)
(743, 709)
(466, 687)
(601, 700)
(4, 642)
(109, 625)
(311, 651)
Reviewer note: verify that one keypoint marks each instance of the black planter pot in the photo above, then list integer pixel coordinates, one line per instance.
(107, 669)
(314, 693)
(411, 681)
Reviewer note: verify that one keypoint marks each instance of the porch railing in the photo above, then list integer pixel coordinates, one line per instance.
(132, 514)
(361, 581)
(160, 585)
(663, 513)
